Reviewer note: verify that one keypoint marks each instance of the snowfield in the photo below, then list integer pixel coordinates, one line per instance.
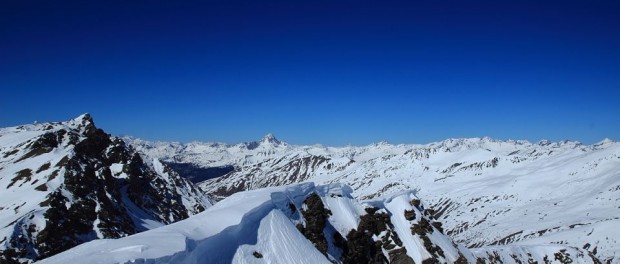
(487, 192)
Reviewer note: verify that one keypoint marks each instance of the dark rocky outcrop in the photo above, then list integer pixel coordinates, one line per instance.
(316, 220)
(360, 247)
(91, 202)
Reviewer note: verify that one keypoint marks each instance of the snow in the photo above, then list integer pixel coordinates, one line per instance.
(214, 236)
(345, 210)
(228, 232)
(279, 242)
(413, 244)
(528, 196)
(529, 188)
(21, 199)
(140, 218)
(258, 227)
(117, 171)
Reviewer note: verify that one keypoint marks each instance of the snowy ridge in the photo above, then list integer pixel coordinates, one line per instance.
(301, 223)
(66, 183)
(487, 192)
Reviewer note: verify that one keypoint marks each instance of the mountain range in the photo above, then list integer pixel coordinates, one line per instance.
(486, 192)
(69, 191)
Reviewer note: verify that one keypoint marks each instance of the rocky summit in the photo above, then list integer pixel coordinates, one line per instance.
(66, 183)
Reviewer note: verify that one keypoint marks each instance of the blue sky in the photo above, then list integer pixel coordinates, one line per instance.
(330, 72)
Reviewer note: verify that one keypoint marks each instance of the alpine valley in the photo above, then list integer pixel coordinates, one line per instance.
(70, 192)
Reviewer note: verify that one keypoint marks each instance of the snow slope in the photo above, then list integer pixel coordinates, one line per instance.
(65, 183)
(277, 225)
(487, 192)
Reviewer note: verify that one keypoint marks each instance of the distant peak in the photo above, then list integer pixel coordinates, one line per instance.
(605, 141)
(382, 143)
(544, 142)
(268, 141)
(270, 138)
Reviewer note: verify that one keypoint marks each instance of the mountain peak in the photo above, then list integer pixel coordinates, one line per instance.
(604, 142)
(270, 139)
(86, 160)
(84, 117)
(84, 123)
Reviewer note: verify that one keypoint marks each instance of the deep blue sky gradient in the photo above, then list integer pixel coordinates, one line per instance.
(330, 72)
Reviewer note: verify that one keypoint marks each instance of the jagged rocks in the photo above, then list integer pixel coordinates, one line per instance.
(316, 218)
(563, 257)
(399, 256)
(416, 203)
(361, 248)
(409, 215)
(359, 245)
(438, 226)
(461, 260)
(421, 228)
(80, 198)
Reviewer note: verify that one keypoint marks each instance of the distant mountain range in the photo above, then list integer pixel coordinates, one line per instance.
(486, 192)
(474, 200)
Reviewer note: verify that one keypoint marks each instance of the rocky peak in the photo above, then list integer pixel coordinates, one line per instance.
(84, 123)
(270, 139)
(63, 184)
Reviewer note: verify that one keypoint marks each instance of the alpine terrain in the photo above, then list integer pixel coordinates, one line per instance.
(66, 183)
(70, 192)
(488, 193)
(305, 223)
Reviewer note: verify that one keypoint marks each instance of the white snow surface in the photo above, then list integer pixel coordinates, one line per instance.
(487, 192)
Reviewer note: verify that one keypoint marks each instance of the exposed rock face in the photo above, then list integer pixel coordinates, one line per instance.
(316, 220)
(75, 183)
(361, 247)
(375, 239)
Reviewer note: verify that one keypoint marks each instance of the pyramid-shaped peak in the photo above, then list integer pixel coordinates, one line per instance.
(83, 118)
(83, 122)
(271, 139)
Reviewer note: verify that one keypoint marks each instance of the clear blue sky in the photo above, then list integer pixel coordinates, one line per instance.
(331, 72)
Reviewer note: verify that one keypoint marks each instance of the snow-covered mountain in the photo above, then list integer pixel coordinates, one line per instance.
(66, 183)
(486, 192)
(305, 223)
